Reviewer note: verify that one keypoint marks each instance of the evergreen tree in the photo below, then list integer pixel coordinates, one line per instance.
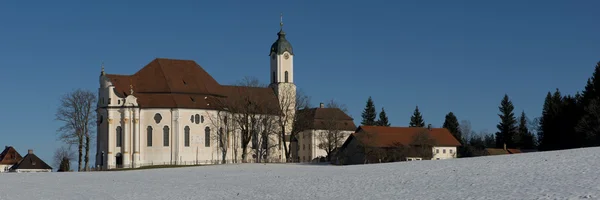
(524, 139)
(451, 123)
(417, 120)
(65, 165)
(383, 119)
(489, 141)
(592, 87)
(589, 125)
(508, 124)
(369, 114)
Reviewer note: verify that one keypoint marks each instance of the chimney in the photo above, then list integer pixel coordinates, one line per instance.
(505, 146)
(30, 151)
(322, 105)
(429, 126)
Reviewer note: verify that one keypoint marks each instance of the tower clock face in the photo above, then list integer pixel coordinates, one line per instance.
(286, 56)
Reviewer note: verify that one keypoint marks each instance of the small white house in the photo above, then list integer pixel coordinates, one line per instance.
(8, 158)
(31, 163)
(374, 144)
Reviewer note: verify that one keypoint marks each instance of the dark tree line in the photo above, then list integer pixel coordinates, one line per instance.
(571, 121)
(369, 115)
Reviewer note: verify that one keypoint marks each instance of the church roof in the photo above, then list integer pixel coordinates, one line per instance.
(10, 156)
(31, 161)
(325, 119)
(171, 83)
(281, 44)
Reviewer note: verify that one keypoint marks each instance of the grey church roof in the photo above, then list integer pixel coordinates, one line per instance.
(281, 44)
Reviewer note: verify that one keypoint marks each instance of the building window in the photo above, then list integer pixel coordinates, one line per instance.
(108, 101)
(225, 119)
(207, 137)
(119, 136)
(166, 136)
(149, 136)
(286, 76)
(192, 118)
(274, 80)
(451, 151)
(197, 117)
(437, 151)
(444, 151)
(187, 136)
(303, 147)
(157, 118)
(201, 119)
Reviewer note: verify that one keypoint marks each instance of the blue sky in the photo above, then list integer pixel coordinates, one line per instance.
(459, 56)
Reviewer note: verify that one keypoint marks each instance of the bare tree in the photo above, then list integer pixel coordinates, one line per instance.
(224, 128)
(249, 100)
(63, 155)
(77, 114)
(422, 145)
(265, 129)
(466, 130)
(290, 98)
(332, 136)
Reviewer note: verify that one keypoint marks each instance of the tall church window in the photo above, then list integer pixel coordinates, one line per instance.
(207, 137)
(149, 136)
(286, 76)
(166, 136)
(187, 136)
(197, 116)
(119, 136)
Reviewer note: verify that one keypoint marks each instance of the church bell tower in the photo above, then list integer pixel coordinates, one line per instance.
(282, 74)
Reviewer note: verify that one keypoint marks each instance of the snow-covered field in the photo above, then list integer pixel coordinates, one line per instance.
(570, 174)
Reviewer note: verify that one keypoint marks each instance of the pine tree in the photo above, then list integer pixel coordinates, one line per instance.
(451, 123)
(589, 125)
(508, 124)
(383, 119)
(416, 120)
(524, 139)
(369, 114)
(592, 87)
(64, 165)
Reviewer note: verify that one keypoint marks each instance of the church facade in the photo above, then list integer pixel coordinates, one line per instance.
(172, 112)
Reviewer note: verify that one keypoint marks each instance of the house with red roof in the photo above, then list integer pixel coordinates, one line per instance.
(375, 144)
(8, 158)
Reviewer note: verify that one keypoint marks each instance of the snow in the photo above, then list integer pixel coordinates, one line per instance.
(569, 174)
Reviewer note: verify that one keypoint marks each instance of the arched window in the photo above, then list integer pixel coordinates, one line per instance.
(166, 136)
(286, 76)
(197, 118)
(149, 136)
(207, 137)
(119, 136)
(187, 136)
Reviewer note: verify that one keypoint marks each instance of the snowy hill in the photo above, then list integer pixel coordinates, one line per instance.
(570, 174)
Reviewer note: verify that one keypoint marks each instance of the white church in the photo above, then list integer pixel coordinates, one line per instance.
(168, 113)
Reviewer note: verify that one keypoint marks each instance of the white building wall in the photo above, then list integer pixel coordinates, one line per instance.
(444, 152)
(4, 168)
(309, 141)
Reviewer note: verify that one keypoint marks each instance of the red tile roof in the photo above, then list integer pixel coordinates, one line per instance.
(171, 83)
(10, 156)
(326, 119)
(383, 136)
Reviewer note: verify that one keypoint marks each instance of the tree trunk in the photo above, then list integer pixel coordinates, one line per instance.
(285, 147)
(244, 152)
(87, 152)
(80, 148)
